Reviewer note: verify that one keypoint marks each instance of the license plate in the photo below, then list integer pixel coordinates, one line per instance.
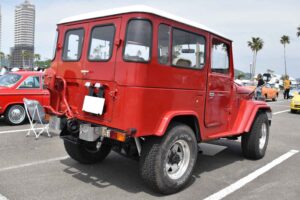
(93, 105)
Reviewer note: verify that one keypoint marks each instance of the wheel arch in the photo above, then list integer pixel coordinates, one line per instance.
(7, 106)
(189, 118)
(247, 114)
(257, 110)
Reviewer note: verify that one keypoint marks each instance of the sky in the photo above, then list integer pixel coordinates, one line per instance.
(238, 20)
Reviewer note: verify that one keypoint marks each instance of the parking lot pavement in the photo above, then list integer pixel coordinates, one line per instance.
(40, 169)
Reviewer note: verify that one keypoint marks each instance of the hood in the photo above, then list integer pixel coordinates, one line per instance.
(244, 89)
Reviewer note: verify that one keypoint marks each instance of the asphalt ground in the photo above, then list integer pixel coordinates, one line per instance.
(41, 170)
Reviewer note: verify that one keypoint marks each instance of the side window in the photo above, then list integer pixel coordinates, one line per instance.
(220, 57)
(54, 45)
(101, 43)
(73, 45)
(32, 82)
(188, 49)
(138, 41)
(163, 43)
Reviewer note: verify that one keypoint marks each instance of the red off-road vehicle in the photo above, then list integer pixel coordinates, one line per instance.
(152, 86)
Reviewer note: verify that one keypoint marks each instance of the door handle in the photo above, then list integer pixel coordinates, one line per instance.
(84, 72)
(211, 94)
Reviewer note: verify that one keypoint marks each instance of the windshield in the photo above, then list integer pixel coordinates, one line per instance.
(8, 80)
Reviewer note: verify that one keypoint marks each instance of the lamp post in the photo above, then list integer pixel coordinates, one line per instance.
(250, 71)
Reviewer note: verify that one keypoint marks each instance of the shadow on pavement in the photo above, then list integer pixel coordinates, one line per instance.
(122, 172)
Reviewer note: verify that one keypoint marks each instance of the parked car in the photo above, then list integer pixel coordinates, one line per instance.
(152, 86)
(268, 91)
(295, 102)
(295, 89)
(15, 86)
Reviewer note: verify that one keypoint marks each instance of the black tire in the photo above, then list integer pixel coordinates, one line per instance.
(87, 152)
(293, 111)
(12, 108)
(251, 141)
(275, 98)
(154, 158)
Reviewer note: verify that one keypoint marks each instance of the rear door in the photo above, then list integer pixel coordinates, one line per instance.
(70, 64)
(218, 97)
(99, 65)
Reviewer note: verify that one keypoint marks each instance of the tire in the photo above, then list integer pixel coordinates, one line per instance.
(254, 143)
(275, 98)
(293, 111)
(87, 152)
(157, 165)
(15, 115)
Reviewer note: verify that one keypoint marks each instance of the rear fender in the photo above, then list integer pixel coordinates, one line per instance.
(247, 114)
(168, 118)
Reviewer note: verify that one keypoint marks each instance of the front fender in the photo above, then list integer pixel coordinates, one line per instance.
(247, 114)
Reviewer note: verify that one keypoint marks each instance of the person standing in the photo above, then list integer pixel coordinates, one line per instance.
(286, 85)
(260, 84)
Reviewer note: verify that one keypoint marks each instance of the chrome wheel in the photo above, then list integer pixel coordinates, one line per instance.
(263, 137)
(178, 159)
(16, 114)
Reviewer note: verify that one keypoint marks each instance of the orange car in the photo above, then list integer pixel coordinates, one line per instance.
(268, 92)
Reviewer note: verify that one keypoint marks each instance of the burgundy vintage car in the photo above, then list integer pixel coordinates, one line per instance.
(14, 87)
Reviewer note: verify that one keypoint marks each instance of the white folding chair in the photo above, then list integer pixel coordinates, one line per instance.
(36, 116)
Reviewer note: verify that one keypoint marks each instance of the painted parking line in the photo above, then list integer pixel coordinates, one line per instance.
(242, 182)
(283, 111)
(3, 197)
(33, 163)
(18, 130)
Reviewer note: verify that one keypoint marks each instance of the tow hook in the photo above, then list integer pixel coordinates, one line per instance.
(73, 127)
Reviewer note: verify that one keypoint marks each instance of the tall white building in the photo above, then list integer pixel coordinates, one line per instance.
(25, 24)
(0, 29)
(24, 35)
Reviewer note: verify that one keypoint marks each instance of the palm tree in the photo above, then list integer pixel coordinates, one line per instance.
(256, 44)
(285, 40)
(27, 55)
(8, 57)
(298, 31)
(37, 58)
(2, 56)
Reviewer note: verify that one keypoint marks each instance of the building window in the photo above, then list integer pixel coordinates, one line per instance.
(188, 49)
(101, 44)
(32, 82)
(138, 41)
(220, 57)
(163, 43)
(73, 45)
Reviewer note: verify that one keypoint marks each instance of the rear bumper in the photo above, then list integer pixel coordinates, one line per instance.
(295, 107)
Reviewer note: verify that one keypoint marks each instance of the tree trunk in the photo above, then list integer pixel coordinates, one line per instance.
(285, 72)
(253, 67)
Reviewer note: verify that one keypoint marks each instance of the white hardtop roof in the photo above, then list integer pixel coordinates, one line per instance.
(137, 8)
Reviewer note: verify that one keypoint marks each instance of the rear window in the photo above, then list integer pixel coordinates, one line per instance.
(73, 45)
(101, 43)
(9, 80)
(138, 41)
(188, 49)
(163, 43)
